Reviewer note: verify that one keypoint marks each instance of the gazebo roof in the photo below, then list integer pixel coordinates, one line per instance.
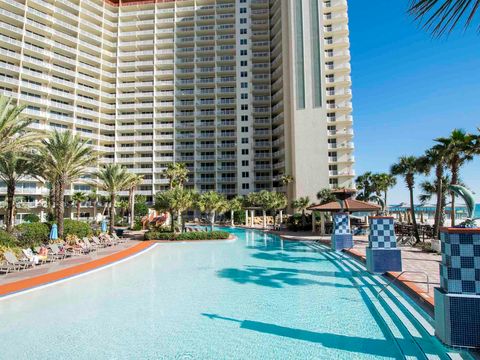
(351, 205)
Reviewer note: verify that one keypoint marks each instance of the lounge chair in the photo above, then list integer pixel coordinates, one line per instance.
(57, 253)
(13, 260)
(5, 267)
(92, 247)
(99, 242)
(36, 259)
(108, 239)
(120, 240)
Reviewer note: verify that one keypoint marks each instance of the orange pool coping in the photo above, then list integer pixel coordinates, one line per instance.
(27, 284)
(410, 286)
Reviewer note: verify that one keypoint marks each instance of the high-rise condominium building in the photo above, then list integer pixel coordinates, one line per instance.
(242, 91)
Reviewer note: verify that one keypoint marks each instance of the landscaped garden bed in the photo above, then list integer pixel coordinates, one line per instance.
(193, 235)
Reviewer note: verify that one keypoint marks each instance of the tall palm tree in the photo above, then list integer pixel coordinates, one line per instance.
(112, 178)
(442, 16)
(264, 200)
(65, 158)
(430, 190)
(165, 202)
(13, 167)
(365, 185)
(79, 197)
(123, 205)
(325, 196)
(278, 202)
(211, 202)
(177, 174)
(436, 157)
(382, 183)
(134, 181)
(93, 197)
(459, 148)
(301, 204)
(235, 204)
(13, 132)
(408, 167)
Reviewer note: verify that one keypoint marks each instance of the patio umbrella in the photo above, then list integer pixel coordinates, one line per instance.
(103, 226)
(54, 232)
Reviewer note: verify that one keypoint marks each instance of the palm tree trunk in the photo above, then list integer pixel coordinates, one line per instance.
(51, 200)
(78, 210)
(131, 197)
(438, 207)
(232, 222)
(385, 201)
(452, 194)
(264, 219)
(304, 220)
(414, 220)
(112, 213)
(172, 221)
(61, 207)
(10, 218)
(212, 220)
(94, 203)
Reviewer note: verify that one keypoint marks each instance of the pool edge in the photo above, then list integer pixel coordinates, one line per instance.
(40, 281)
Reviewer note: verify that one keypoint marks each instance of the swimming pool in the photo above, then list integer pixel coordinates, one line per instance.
(256, 297)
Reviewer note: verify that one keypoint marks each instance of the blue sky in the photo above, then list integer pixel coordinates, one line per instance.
(409, 88)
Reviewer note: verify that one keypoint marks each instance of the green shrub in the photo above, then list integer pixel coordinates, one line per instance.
(31, 218)
(77, 228)
(194, 235)
(31, 234)
(7, 240)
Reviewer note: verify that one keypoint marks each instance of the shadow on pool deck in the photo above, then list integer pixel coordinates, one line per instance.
(354, 344)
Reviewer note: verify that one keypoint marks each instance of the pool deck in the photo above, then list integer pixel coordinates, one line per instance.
(416, 263)
(51, 272)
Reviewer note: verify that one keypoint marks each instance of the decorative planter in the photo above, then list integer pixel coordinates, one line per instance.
(457, 300)
(341, 235)
(382, 253)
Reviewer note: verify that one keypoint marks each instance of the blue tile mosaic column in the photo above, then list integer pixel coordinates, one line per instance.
(341, 234)
(457, 300)
(382, 253)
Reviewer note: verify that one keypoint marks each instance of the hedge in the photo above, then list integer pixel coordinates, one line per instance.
(78, 228)
(194, 235)
(7, 240)
(32, 234)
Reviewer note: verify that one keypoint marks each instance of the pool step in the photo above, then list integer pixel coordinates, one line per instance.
(393, 306)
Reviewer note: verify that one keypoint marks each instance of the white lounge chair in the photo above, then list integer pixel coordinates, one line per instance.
(13, 260)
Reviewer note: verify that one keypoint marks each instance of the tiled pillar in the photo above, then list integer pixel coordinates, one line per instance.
(246, 217)
(341, 234)
(457, 300)
(382, 252)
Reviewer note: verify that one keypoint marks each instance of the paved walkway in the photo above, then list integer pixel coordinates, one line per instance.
(66, 263)
(413, 259)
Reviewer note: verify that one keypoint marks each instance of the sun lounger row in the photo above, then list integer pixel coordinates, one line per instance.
(58, 251)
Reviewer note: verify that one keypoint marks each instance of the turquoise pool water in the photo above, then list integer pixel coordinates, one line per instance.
(253, 298)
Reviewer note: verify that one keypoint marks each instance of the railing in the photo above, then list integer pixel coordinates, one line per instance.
(399, 275)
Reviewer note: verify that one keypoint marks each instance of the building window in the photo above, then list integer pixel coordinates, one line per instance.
(245, 186)
(245, 162)
(316, 60)
(299, 56)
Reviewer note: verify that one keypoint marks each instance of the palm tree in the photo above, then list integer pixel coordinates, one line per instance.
(365, 185)
(436, 158)
(278, 202)
(165, 202)
(65, 158)
(325, 196)
(382, 183)
(13, 134)
(408, 167)
(430, 190)
(264, 200)
(134, 181)
(235, 204)
(459, 148)
(93, 197)
(112, 178)
(123, 205)
(79, 197)
(211, 202)
(301, 204)
(177, 174)
(442, 16)
(13, 167)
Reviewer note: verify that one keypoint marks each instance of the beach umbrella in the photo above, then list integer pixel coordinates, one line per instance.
(103, 226)
(54, 232)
